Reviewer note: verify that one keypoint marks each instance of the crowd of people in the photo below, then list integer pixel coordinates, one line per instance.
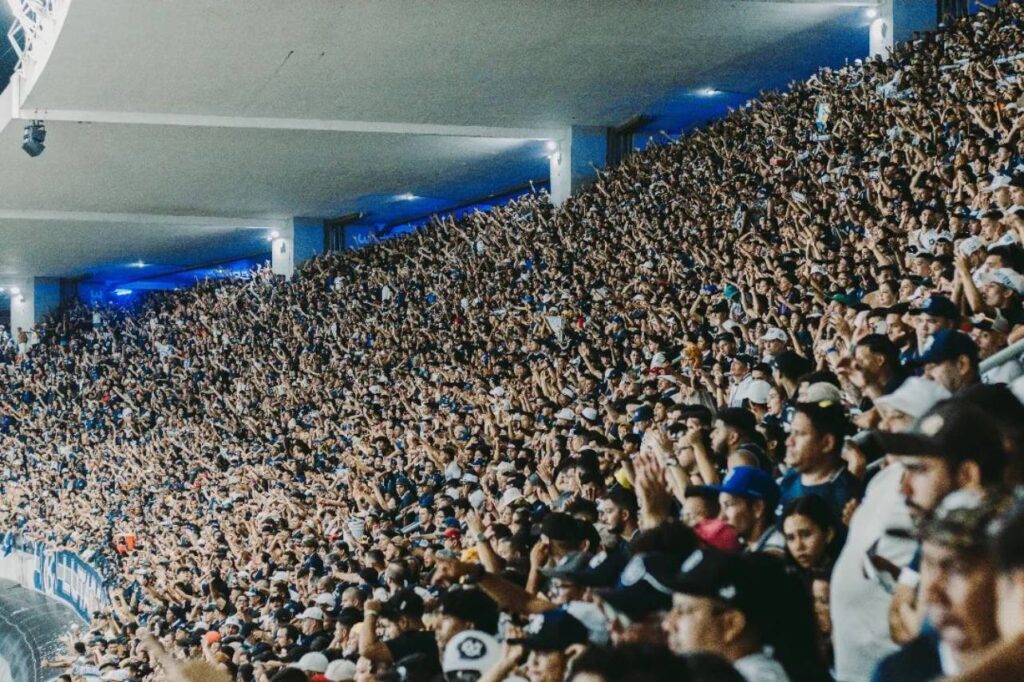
(719, 417)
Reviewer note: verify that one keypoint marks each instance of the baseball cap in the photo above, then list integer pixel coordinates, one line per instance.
(988, 324)
(1006, 277)
(746, 481)
(821, 391)
(470, 651)
(642, 413)
(639, 592)
(554, 630)
(937, 306)
(568, 566)
(757, 391)
(565, 414)
(914, 397)
(947, 344)
(964, 519)
(405, 603)
(312, 613)
(340, 670)
(602, 570)
(953, 429)
(718, 534)
(313, 662)
(774, 334)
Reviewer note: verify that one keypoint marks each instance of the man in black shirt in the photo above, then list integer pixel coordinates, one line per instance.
(402, 621)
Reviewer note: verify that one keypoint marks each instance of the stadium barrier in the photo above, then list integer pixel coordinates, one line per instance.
(1008, 354)
(57, 574)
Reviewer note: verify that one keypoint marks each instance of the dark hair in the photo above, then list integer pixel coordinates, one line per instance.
(289, 675)
(623, 499)
(880, 344)
(1008, 541)
(634, 662)
(827, 417)
(815, 508)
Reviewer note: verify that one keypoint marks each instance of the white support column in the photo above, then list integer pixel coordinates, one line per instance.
(295, 243)
(573, 160)
(880, 38)
(23, 307)
(32, 299)
(282, 252)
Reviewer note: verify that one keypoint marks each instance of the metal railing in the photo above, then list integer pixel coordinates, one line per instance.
(1008, 354)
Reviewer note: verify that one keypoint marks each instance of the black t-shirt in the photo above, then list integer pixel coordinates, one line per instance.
(416, 642)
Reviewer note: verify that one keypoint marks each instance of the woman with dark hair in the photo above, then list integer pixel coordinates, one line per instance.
(812, 533)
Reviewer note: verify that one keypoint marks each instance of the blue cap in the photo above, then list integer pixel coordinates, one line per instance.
(947, 344)
(643, 413)
(749, 482)
(937, 306)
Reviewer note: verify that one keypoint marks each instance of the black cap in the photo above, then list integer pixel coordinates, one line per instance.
(405, 603)
(642, 586)
(558, 631)
(568, 566)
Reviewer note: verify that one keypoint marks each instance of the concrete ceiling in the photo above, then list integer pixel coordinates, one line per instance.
(240, 114)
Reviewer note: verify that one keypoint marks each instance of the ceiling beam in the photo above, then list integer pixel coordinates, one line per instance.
(142, 219)
(263, 123)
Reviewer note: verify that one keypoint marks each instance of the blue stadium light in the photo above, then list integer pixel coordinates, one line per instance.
(122, 292)
(871, 12)
(33, 138)
(408, 196)
(139, 264)
(708, 92)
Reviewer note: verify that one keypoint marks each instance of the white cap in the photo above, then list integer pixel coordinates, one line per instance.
(340, 671)
(477, 498)
(820, 391)
(116, 675)
(971, 245)
(590, 414)
(1006, 277)
(914, 397)
(998, 182)
(312, 613)
(566, 414)
(774, 334)
(233, 620)
(757, 391)
(313, 662)
(569, 393)
(497, 391)
(325, 599)
(470, 651)
(281, 577)
(509, 496)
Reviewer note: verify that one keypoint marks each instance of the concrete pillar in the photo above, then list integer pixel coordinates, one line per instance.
(296, 243)
(880, 38)
(31, 300)
(573, 160)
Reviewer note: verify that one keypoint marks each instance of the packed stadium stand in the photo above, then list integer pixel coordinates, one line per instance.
(749, 407)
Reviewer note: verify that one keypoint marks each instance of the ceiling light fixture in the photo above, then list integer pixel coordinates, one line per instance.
(871, 12)
(33, 138)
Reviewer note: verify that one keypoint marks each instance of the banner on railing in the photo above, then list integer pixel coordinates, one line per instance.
(58, 574)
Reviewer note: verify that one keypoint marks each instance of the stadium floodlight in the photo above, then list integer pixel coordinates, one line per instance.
(551, 145)
(15, 291)
(708, 92)
(33, 138)
(871, 12)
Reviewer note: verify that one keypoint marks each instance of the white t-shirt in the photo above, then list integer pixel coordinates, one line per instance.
(859, 603)
(760, 667)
